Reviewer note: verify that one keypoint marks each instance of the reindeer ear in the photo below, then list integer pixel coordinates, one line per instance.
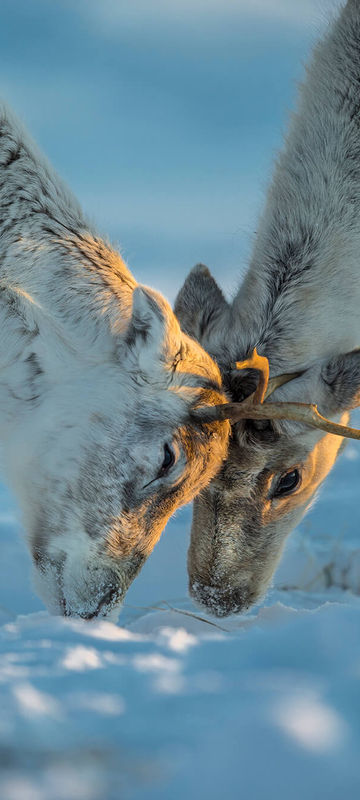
(153, 334)
(341, 377)
(199, 303)
(147, 319)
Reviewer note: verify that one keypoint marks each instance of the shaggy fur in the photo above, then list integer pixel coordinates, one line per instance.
(299, 306)
(96, 382)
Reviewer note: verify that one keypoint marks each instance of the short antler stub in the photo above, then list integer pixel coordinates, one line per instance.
(261, 364)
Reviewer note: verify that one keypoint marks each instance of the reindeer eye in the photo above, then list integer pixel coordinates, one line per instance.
(169, 460)
(287, 483)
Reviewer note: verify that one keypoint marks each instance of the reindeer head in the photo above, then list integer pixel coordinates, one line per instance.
(106, 448)
(97, 394)
(276, 461)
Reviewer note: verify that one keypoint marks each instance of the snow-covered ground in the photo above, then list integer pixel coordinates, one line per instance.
(170, 705)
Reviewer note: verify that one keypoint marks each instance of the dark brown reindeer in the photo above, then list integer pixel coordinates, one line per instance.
(299, 306)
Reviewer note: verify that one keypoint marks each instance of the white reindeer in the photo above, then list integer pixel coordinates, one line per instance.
(97, 391)
(299, 305)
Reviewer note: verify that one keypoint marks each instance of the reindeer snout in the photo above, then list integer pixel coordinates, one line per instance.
(111, 599)
(221, 600)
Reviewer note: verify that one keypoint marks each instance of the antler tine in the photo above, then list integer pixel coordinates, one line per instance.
(297, 412)
(279, 380)
(266, 386)
(261, 364)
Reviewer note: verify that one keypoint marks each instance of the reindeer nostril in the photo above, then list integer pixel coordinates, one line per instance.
(219, 600)
(107, 602)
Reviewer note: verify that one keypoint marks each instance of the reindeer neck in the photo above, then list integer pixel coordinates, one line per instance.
(300, 299)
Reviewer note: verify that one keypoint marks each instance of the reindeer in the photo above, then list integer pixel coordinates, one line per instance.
(298, 308)
(97, 392)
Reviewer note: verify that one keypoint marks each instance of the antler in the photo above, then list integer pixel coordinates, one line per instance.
(261, 364)
(298, 412)
(280, 380)
(265, 385)
(255, 408)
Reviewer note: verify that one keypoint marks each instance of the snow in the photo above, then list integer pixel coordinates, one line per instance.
(172, 703)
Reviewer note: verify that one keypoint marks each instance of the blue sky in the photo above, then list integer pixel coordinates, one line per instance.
(164, 116)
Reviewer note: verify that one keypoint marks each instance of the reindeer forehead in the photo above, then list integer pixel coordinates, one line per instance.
(254, 450)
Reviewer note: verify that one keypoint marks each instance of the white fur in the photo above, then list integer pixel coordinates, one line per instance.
(95, 379)
(299, 305)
